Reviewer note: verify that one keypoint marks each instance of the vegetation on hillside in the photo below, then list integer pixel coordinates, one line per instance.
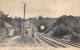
(15, 22)
(66, 26)
(37, 22)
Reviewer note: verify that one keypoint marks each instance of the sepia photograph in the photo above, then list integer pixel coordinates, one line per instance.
(39, 24)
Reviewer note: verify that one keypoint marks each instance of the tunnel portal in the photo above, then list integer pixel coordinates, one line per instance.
(42, 28)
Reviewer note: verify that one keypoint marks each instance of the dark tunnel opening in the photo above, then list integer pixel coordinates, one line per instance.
(42, 28)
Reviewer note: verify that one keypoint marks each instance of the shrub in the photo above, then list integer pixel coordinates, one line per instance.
(40, 17)
(75, 39)
(60, 31)
(67, 25)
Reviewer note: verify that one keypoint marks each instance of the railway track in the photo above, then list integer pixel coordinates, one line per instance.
(57, 43)
(52, 43)
(68, 42)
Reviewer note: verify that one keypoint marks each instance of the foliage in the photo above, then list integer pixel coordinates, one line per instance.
(75, 39)
(66, 20)
(67, 25)
(60, 31)
(15, 22)
(4, 18)
(40, 17)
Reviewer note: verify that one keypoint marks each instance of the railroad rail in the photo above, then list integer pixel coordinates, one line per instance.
(56, 42)
(67, 42)
(50, 42)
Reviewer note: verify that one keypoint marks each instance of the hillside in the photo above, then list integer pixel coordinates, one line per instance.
(66, 27)
(44, 21)
(14, 22)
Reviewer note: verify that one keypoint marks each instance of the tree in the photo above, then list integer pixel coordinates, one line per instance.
(30, 18)
(67, 25)
(40, 17)
(3, 18)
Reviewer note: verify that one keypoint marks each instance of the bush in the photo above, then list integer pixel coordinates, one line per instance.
(66, 25)
(65, 20)
(75, 39)
(60, 31)
(40, 17)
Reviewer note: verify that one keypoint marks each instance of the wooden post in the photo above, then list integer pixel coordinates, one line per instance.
(24, 20)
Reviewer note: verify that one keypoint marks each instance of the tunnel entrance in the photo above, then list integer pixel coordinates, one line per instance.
(42, 28)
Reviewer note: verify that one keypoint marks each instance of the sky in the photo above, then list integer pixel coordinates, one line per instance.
(45, 8)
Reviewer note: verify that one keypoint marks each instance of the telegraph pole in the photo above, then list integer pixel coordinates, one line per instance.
(24, 20)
